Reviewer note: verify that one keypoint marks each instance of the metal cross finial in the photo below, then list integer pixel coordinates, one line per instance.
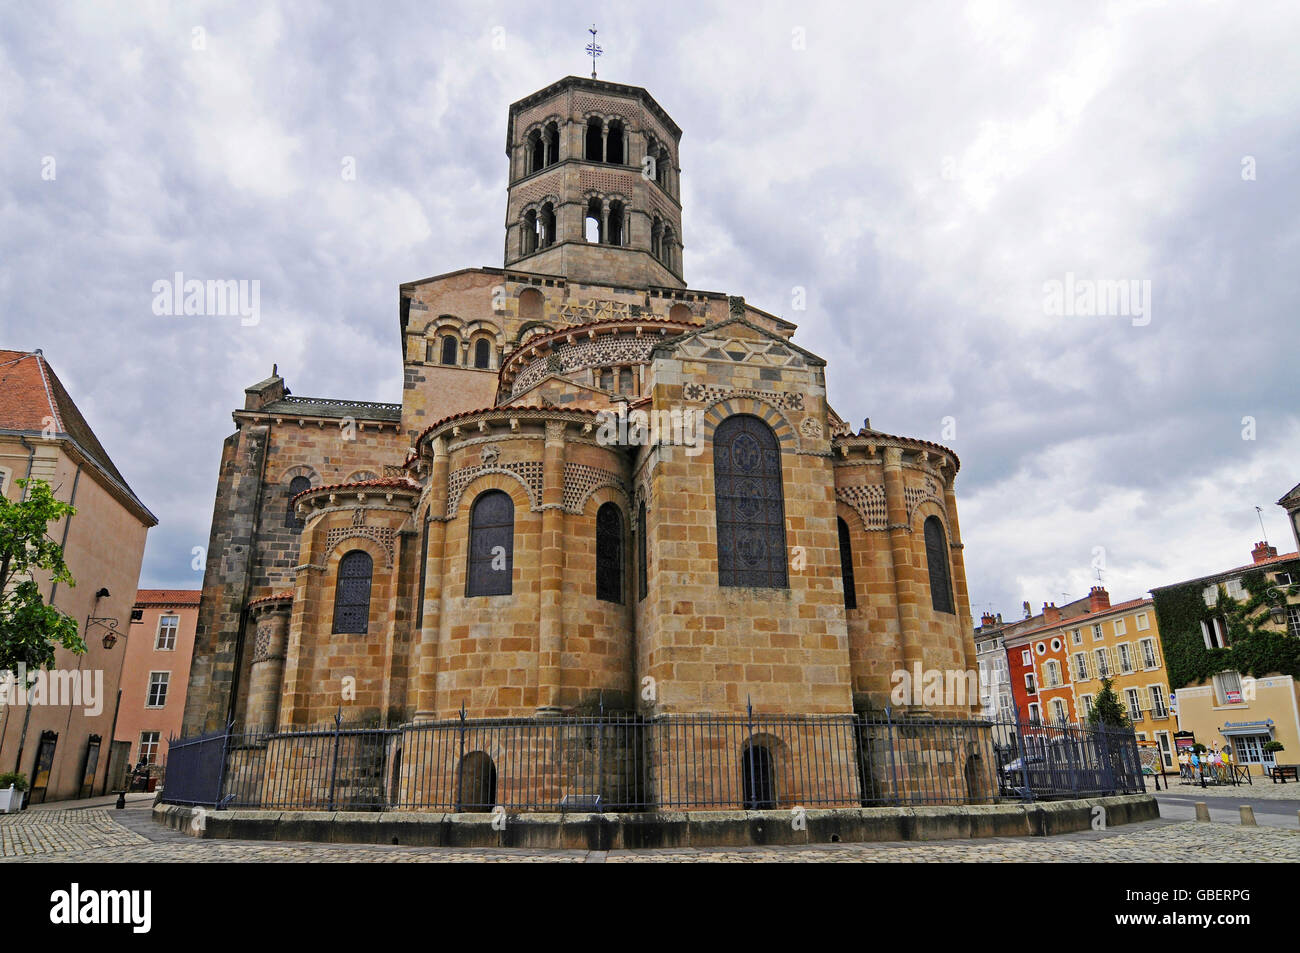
(593, 50)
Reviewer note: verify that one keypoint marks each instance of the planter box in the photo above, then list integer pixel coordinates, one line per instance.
(11, 800)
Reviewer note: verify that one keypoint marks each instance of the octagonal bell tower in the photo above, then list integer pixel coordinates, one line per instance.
(594, 186)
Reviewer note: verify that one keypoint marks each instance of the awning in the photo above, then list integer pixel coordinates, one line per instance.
(1248, 727)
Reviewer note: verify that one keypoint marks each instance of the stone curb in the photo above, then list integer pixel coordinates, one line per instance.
(663, 829)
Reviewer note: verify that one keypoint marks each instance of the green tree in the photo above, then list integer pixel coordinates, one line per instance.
(29, 629)
(1107, 711)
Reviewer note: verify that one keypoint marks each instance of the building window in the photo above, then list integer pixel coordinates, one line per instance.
(449, 348)
(482, 353)
(1293, 620)
(1030, 687)
(491, 545)
(352, 593)
(609, 553)
(846, 566)
(1227, 688)
(149, 747)
(936, 559)
(1086, 702)
(1025, 658)
(1058, 711)
(750, 504)
(1158, 707)
(1096, 632)
(1125, 658)
(1076, 637)
(167, 628)
(158, 682)
(1033, 713)
(137, 615)
(1215, 632)
(424, 572)
(1250, 749)
(1052, 671)
(299, 484)
(1149, 657)
(642, 548)
(1134, 704)
(1120, 627)
(1103, 663)
(1142, 622)
(1080, 666)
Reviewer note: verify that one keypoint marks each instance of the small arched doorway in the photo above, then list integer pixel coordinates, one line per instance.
(758, 777)
(476, 788)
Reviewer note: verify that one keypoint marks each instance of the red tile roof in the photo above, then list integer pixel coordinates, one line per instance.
(1272, 560)
(273, 597)
(31, 394)
(167, 597)
(1085, 618)
(401, 483)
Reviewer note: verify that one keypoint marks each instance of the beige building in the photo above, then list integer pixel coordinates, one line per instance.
(159, 647)
(64, 748)
(1232, 687)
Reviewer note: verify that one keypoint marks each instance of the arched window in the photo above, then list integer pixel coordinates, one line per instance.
(591, 223)
(552, 144)
(352, 593)
(536, 151)
(482, 353)
(614, 143)
(547, 225)
(936, 560)
(846, 566)
(750, 504)
(616, 224)
(297, 485)
(531, 304)
(449, 348)
(595, 139)
(609, 553)
(491, 545)
(641, 549)
(528, 233)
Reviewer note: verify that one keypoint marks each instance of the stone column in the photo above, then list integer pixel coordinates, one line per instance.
(270, 618)
(905, 581)
(550, 643)
(959, 579)
(604, 224)
(426, 699)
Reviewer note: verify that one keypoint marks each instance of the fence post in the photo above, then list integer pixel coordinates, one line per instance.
(600, 752)
(749, 753)
(893, 766)
(1028, 794)
(221, 772)
(460, 763)
(334, 760)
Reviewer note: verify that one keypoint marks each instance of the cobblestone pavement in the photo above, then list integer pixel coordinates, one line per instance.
(1264, 790)
(46, 833)
(131, 836)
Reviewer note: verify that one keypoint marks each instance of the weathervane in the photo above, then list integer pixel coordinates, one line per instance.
(593, 50)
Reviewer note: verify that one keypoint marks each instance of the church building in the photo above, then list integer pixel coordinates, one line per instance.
(602, 490)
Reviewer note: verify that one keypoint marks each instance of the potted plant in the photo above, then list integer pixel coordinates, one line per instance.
(1273, 747)
(15, 800)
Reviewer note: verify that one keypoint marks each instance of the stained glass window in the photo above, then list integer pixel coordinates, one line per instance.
(482, 353)
(491, 545)
(936, 558)
(609, 553)
(352, 593)
(449, 349)
(749, 503)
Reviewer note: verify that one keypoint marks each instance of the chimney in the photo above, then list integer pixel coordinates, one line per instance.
(1028, 611)
(1263, 551)
(987, 619)
(1098, 599)
(1051, 614)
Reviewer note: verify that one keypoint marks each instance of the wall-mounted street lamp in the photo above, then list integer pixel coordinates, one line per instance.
(1277, 604)
(107, 623)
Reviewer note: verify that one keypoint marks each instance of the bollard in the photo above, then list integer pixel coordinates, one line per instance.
(1202, 811)
(1247, 816)
(121, 801)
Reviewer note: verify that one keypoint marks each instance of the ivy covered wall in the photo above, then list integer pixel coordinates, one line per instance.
(1256, 646)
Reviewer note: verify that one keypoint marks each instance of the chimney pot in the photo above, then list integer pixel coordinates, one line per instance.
(1263, 551)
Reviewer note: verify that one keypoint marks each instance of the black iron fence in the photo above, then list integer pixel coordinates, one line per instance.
(629, 762)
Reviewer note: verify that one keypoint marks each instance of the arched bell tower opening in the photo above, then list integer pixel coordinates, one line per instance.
(593, 185)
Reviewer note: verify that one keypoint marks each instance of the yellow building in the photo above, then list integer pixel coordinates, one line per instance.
(1121, 642)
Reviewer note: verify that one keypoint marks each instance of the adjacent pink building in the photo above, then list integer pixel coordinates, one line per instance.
(159, 647)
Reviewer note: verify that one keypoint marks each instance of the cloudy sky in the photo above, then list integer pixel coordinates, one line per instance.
(922, 170)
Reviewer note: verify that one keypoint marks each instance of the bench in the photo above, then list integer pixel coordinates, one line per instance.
(1280, 772)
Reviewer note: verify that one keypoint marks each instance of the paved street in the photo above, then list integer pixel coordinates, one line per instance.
(102, 834)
